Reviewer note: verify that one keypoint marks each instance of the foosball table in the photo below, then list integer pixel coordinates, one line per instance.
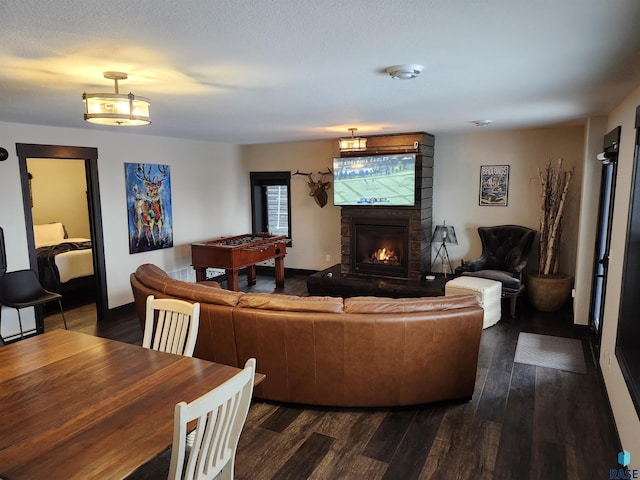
(238, 252)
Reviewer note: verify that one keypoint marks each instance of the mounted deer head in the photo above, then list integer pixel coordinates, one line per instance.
(317, 188)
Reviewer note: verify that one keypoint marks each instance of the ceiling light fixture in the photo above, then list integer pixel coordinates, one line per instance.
(352, 144)
(117, 109)
(481, 123)
(404, 72)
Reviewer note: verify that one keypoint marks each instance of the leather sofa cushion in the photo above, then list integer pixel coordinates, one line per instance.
(507, 279)
(407, 305)
(291, 303)
(203, 293)
(206, 292)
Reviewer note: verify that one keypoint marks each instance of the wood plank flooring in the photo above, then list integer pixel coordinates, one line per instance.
(523, 422)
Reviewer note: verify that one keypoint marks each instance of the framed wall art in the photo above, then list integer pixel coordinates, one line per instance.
(494, 185)
(148, 206)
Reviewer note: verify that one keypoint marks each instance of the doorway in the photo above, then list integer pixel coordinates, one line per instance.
(628, 334)
(609, 159)
(90, 157)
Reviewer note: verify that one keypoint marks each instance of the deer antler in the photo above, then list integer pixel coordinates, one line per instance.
(298, 172)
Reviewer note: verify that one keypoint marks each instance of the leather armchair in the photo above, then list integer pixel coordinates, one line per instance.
(505, 250)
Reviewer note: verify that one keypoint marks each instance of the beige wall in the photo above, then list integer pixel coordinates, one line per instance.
(456, 182)
(210, 195)
(59, 192)
(625, 414)
(211, 191)
(315, 231)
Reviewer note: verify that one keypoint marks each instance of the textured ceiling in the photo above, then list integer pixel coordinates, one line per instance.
(262, 71)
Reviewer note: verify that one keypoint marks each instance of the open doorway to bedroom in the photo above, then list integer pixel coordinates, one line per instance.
(60, 214)
(62, 199)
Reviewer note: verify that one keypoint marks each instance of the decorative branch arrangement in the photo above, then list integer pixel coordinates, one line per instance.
(554, 185)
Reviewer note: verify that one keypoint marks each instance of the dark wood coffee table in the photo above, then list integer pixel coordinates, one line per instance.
(333, 283)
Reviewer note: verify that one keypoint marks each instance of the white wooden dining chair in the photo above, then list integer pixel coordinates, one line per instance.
(220, 416)
(171, 325)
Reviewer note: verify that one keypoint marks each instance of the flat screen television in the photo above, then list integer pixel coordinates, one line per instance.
(384, 180)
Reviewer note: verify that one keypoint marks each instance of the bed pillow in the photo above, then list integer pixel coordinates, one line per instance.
(48, 233)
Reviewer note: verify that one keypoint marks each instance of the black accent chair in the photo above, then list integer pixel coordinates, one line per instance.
(505, 249)
(21, 289)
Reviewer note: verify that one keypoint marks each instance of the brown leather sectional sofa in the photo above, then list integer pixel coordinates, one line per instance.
(360, 351)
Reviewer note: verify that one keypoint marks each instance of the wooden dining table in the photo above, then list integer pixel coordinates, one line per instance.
(75, 406)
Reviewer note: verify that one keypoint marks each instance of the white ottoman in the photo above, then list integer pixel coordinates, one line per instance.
(489, 293)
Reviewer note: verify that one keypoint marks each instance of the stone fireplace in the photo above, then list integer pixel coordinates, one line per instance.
(401, 230)
(369, 232)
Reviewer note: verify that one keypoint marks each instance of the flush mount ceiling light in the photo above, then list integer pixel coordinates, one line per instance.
(120, 110)
(352, 144)
(481, 123)
(404, 72)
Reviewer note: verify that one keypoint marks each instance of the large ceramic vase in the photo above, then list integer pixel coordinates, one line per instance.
(548, 293)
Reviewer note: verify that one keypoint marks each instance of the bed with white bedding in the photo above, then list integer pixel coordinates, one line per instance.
(64, 264)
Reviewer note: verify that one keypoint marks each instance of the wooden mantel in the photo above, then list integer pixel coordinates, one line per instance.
(420, 143)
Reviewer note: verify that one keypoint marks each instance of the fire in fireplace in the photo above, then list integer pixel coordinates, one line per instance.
(383, 255)
(379, 247)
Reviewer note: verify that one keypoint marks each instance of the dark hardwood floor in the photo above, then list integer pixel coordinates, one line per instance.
(524, 422)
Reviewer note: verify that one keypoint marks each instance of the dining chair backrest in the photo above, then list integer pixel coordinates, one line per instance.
(171, 325)
(21, 289)
(220, 416)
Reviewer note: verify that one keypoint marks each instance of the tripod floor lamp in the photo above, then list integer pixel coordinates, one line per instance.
(444, 234)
